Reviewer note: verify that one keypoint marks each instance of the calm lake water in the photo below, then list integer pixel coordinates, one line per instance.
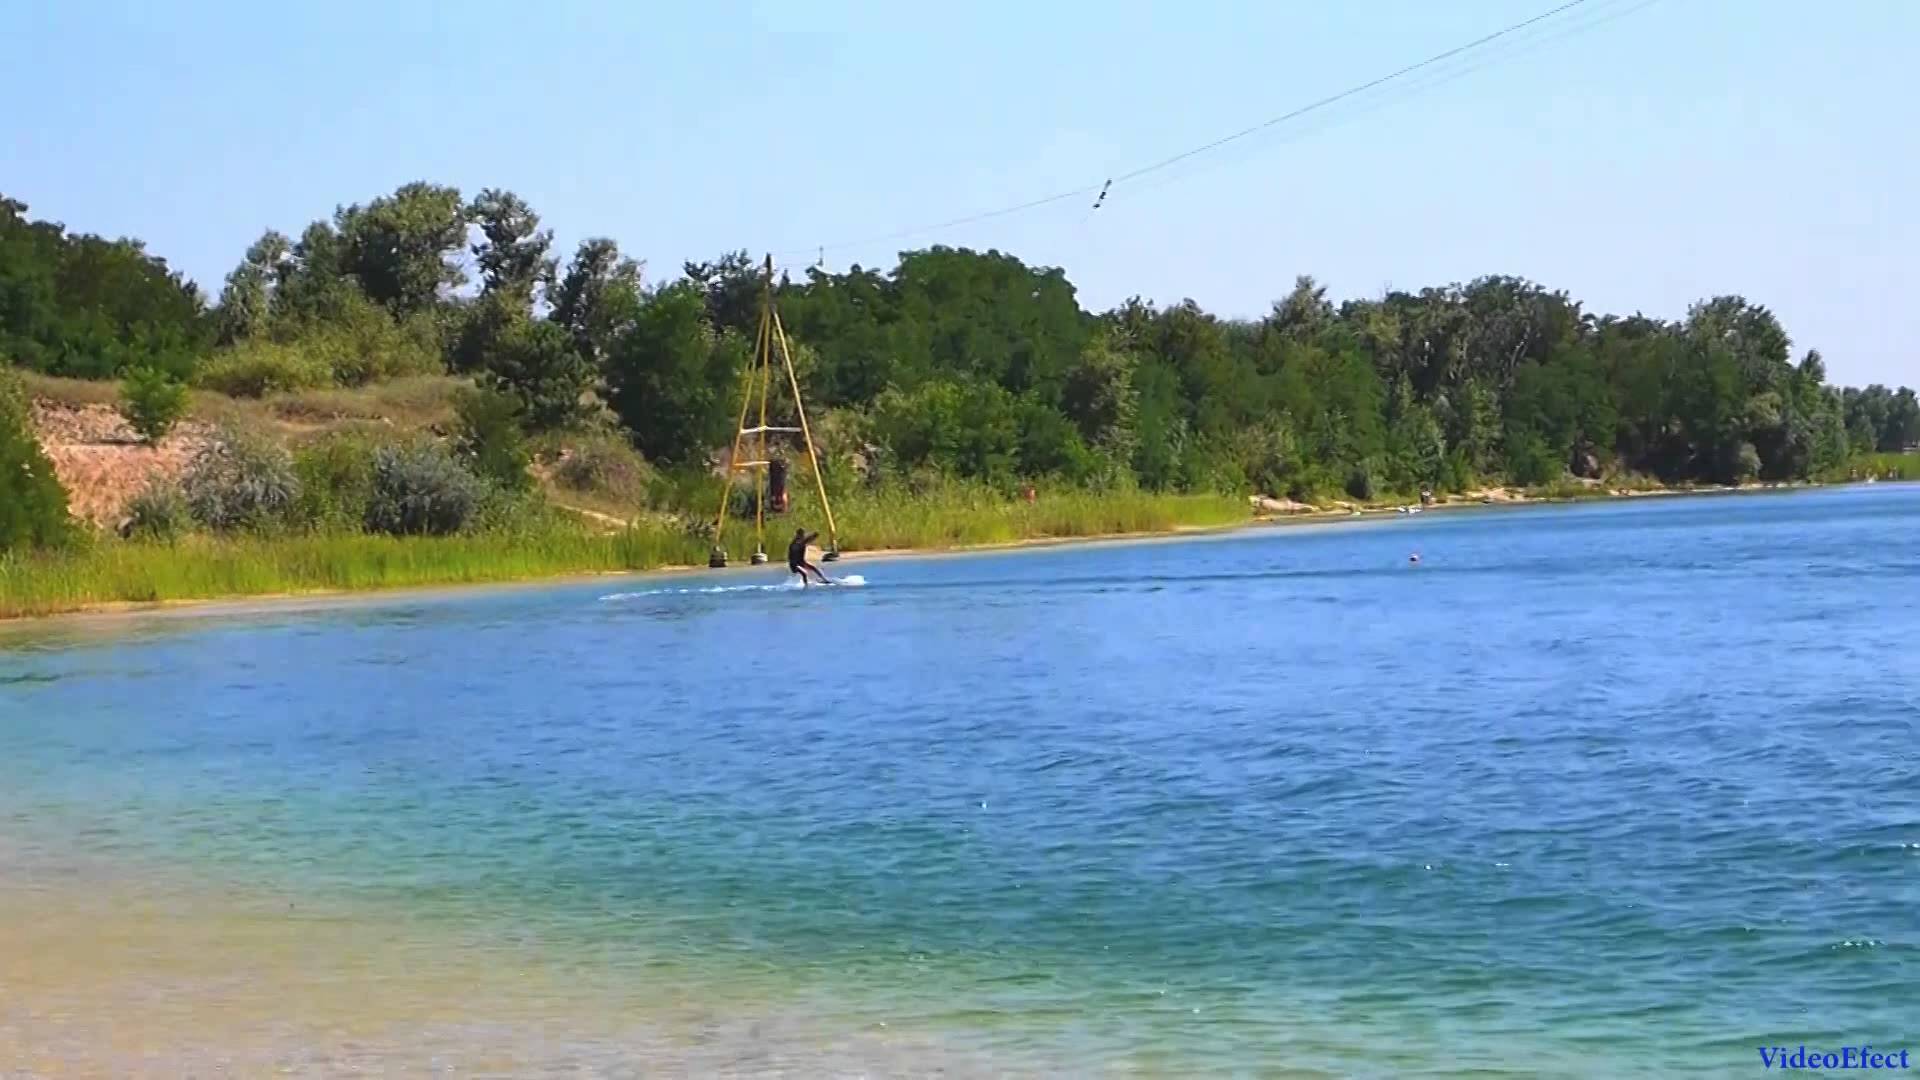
(1588, 790)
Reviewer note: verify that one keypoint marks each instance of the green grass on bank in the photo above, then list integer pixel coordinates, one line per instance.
(967, 517)
(1881, 466)
(957, 514)
(113, 571)
(109, 571)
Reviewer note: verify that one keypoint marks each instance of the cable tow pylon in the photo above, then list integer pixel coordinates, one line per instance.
(757, 380)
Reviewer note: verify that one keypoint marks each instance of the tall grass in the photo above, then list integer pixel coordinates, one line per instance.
(964, 515)
(109, 571)
(1880, 466)
(202, 568)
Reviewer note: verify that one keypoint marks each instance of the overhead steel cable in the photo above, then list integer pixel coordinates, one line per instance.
(1353, 91)
(1597, 17)
(1099, 187)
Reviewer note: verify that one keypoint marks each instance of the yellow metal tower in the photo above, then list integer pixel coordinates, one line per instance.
(757, 380)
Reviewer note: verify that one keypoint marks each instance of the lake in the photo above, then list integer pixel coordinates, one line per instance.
(1587, 790)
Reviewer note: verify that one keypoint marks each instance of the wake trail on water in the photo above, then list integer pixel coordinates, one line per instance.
(790, 585)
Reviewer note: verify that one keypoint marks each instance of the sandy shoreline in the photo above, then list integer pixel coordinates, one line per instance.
(264, 603)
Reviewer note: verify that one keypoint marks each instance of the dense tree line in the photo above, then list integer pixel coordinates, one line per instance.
(965, 363)
(90, 307)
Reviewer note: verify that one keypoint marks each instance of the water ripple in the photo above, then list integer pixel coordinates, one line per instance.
(1601, 790)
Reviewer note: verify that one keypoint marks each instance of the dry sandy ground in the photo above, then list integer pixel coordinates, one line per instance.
(102, 463)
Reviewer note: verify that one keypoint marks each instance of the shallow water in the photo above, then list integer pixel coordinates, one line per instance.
(1588, 790)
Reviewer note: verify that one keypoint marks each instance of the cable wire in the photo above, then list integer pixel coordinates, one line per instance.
(1099, 187)
(1433, 80)
(1349, 92)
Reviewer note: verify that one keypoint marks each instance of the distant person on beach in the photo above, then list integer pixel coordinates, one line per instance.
(797, 557)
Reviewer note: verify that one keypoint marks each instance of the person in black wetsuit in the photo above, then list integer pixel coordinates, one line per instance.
(797, 557)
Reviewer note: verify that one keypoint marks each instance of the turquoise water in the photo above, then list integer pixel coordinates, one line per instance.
(1588, 789)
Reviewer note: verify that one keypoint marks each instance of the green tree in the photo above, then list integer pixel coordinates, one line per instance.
(733, 285)
(536, 363)
(246, 303)
(514, 254)
(1416, 449)
(312, 283)
(987, 316)
(598, 299)
(1099, 397)
(673, 380)
(1708, 409)
(1751, 334)
(854, 319)
(1861, 436)
(1334, 401)
(967, 429)
(88, 307)
(1903, 422)
(1305, 313)
(1162, 433)
(152, 401)
(400, 247)
(971, 363)
(1880, 419)
(482, 325)
(1049, 443)
(1220, 387)
(1505, 322)
(33, 505)
(487, 433)
(1469, 416)
(1567, 409)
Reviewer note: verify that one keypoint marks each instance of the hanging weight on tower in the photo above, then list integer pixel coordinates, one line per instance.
(777, 485)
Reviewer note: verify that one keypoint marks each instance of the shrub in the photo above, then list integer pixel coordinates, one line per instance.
(257, 368)
(683, 487)
(1050, 444)
(489, 437)
(160, 512)
(538, 363)
(606, 465)
(1312, 483)
(421, 491)
(1457, 473)
(364, 345)
(515, 513)
(1360, 483)
(1530, 461)
(33, 505)
(152, 402)
(1211, 464)
(1268, 457)
(336, 483)
(241, 482)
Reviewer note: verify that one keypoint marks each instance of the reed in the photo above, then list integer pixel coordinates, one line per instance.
(1879, 466)
(953, 515)
(203, 568)
(109, 571)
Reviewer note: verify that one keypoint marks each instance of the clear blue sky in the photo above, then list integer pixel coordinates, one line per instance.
(1762, 147)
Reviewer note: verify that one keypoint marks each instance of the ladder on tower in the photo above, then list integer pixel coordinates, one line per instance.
(752, 441)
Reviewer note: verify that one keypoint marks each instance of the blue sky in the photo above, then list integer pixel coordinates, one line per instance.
(1638, 157)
